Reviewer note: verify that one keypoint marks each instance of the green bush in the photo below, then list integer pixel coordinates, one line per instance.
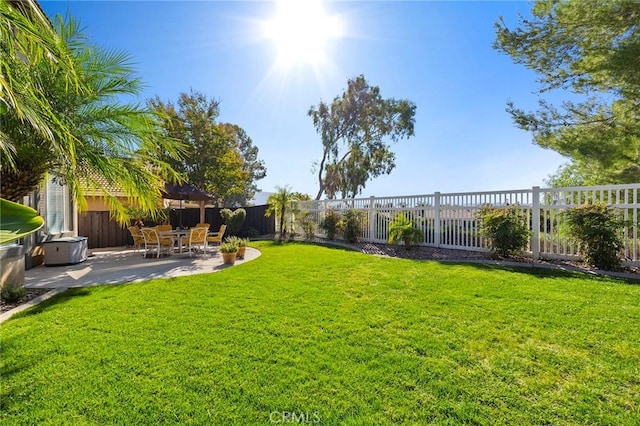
(308, 225)
(597, 230)
(330, 223)
(233, 219)
(351, 225)
(403, 229)
(505, 229)
(12, 292)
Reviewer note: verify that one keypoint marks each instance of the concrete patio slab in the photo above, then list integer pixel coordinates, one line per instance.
(118, 265)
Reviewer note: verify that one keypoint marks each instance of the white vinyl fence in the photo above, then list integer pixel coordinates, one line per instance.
(449, 220)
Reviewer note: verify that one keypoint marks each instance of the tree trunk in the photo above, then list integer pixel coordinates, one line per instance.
(16, 184)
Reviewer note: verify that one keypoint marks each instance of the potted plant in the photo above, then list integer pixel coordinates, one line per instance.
(229, 251)
(241, 243)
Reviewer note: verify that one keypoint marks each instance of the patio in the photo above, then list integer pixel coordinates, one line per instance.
(119, 265)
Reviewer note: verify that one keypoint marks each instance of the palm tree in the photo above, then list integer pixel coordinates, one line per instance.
(278, 204)
(109, 145)
(27, 39)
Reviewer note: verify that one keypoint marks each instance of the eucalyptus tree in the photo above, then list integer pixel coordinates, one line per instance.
(108, 146)
(356, 130)
(590, 50)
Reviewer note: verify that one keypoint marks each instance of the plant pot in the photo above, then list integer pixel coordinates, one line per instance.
(240, 253)
(229, 258)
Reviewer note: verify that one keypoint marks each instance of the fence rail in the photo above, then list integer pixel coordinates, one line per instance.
(448, 220)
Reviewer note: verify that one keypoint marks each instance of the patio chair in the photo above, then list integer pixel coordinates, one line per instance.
(138, 239)
(203, 225)
(197, 239)
(163, 228)
(153, 242)
(217, 237)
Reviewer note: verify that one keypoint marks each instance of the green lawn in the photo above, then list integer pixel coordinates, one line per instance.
(336, 337)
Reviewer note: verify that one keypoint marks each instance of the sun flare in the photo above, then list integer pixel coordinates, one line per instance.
(301, 31)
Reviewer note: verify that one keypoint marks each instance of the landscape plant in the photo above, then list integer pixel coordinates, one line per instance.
(11, 292)
(505, 229)
(279, 202)
(233, 219)
(405, 230)
(597, 230)
(241, 243)
(330, 223)
(307, 222)
(351, 225)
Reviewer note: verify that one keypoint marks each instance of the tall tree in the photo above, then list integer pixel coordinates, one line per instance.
(108, 144)
(253, 169)
(356, 130)
(592, 49)
(219, 158)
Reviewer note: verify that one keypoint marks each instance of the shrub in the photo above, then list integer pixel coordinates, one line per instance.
(596, 229)
(330, 223)
(505, 229)
(12, 292)
(351, 225)
(233, 219)
(403, 229)
(308, 225)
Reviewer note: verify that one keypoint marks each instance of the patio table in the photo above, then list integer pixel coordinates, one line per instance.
(178, 235)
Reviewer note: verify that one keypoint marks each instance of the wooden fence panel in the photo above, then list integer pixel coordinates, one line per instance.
(102, 231)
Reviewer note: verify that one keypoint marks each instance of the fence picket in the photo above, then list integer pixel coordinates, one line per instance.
(448, 220)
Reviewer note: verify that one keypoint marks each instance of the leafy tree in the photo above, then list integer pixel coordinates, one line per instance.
(219, 158)
(592, 49)
(252, 168)
(356, 129)
(279, 202)
(107, 144)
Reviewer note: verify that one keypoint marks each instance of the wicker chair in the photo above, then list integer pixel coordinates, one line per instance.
(197, 239)
(138, 239)
(154, 243)
(217, 237)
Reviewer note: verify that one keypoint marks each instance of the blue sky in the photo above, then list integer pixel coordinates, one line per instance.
(437, 54)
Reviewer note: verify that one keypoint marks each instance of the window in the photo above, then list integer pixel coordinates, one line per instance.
(58, 208)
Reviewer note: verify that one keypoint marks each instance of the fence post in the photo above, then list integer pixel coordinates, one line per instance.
(436, 220)
(535, 222)
(372, 219)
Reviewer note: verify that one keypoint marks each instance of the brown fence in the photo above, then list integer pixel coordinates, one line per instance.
(102, 231)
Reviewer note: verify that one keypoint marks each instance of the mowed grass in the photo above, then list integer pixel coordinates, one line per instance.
(327, 336)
